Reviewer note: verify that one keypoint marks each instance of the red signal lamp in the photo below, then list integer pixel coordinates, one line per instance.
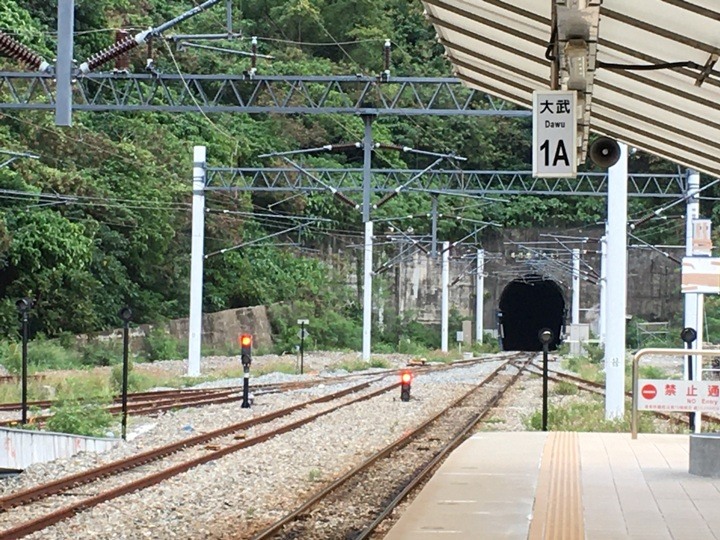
(405, 380)
(245, 349)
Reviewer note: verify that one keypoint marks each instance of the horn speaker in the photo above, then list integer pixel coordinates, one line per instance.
(605, 152)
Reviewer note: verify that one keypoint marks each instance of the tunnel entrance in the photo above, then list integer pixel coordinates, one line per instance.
(527, 305)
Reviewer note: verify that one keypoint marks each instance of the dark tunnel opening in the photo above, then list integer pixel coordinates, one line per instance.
(527, 305)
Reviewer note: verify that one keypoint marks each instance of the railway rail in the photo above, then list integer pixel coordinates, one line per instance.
(599, 388)
(156, 402)
(355, 504)
(121, 477)
(217, 444)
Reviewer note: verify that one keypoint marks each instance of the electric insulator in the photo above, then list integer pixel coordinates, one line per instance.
(17, 51)
(122, 63)
(118, 49)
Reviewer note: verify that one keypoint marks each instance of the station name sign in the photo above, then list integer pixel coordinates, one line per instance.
(554, 134)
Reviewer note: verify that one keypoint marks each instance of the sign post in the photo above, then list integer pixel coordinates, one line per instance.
(554, 134)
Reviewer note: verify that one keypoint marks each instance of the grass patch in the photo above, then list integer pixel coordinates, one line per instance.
(288, 368)
(351, 365)
(356, 364)
(652, 372)
(589, 415)
(585, 368)
(564, 388)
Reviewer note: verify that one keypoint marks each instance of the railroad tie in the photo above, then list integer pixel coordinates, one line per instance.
(558, 512)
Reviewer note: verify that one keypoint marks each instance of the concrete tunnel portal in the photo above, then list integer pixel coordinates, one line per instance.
(527, 305)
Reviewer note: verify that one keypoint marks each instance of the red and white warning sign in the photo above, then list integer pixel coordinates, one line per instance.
(649, 391)
(671, 395)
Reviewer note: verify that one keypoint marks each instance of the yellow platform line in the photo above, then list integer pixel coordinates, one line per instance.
(558, 513)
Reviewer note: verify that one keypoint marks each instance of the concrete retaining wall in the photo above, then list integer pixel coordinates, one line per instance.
(220, 329)
(20, 448)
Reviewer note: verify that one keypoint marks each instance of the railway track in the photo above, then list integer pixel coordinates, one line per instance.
(48, 503)
(354, 505)
(156, 402)
(599, 388)
(195, 451)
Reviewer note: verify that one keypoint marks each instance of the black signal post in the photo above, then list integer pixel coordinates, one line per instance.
(545, 336)
(125, 315)
(23, 306)
(246, 358)
(302, 333)
(689, 335)
(405, 381)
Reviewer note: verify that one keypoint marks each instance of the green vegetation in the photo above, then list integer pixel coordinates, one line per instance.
(585, 367)
(359, 365)
(160, 345)
(588, 415)
(565, 388)
(81, 418)
(123, 235)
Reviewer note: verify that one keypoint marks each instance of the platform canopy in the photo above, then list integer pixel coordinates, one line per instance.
(644, 69)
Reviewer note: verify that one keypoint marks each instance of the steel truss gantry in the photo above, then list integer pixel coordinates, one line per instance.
(440, 181)
(279, 94)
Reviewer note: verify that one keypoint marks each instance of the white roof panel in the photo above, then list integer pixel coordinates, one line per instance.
(500, 46)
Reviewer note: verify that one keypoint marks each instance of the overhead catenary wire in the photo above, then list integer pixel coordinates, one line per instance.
(255, 241)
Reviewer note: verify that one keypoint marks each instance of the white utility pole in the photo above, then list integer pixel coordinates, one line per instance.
(444, 318)
(575, 286)
(693, 302)
(479, 295)
(616, 287)
(196, 261)
(367, 268)
(602, 327)
(367, 290)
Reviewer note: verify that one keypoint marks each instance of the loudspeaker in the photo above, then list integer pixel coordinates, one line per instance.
(605, 152)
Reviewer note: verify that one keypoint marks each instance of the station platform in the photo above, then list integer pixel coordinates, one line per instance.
(565, 486)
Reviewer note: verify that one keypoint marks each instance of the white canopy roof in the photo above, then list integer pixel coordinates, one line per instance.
(502, 48)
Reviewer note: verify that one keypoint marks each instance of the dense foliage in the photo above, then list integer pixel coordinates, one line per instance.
(102, 218)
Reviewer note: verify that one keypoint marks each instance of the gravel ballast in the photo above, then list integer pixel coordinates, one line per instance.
(241, 492)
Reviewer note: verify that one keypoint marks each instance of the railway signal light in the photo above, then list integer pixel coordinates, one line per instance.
(246, 358)
(246, 349)
(405, 380)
